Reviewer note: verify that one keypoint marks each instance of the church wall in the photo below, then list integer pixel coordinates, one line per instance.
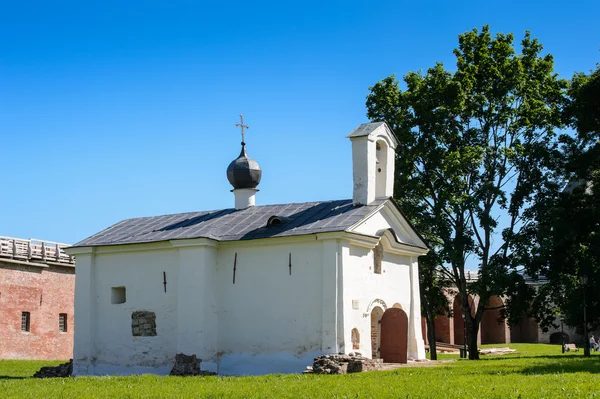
(364, 290)
(270, 320)
(141, 273)
(197, 303)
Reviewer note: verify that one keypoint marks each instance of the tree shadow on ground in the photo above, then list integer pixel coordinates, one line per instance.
(517, 356)
(583, 366)
(549, 364)
(12, 377)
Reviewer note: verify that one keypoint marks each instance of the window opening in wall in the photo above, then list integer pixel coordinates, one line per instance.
(25, 321)
(62, 322)
(117, 295)
(377, 258)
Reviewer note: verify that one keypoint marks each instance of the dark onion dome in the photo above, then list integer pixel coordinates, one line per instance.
(244, 172)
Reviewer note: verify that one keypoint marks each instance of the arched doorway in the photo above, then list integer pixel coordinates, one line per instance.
(442, 328)
(394, 336)
(525, 331)
(493, 330)
(459, 323)
(376, 315)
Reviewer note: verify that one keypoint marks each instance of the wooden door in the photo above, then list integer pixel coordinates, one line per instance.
(394, 336)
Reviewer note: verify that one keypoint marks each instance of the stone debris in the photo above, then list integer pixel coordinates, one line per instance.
(496, 351)
(343, 364)
(60, 371)
(188, 366)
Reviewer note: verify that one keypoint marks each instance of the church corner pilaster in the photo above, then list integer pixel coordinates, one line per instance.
(85, 297)
(416, 345)
(330, 296)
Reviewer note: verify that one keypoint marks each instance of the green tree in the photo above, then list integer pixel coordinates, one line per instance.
(475, 149)
(565, 238)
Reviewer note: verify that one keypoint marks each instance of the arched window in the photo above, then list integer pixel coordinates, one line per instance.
(377, 258)
(381, 154)
(355, 339)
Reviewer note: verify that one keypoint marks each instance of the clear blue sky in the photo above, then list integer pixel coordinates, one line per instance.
(118, 109)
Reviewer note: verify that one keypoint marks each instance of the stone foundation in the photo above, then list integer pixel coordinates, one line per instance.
(188, 366)
(343, 364)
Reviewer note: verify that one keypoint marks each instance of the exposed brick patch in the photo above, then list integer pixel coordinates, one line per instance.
(143, 323)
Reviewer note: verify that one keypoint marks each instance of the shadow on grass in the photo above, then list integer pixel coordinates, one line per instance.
(11, 377)
(493, 358)
(583, 366)
(547, 364)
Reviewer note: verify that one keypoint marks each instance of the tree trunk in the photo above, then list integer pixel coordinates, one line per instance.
(472, 327)
(430, 318)
(472, 332)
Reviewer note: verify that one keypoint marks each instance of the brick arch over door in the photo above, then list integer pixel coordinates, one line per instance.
(376, 315)
(394, 336)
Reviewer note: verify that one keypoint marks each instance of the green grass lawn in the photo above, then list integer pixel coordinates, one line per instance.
(536, 371)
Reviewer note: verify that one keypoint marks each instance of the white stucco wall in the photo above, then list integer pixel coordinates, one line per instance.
(364, 290)
(268, 321)
(142, 275)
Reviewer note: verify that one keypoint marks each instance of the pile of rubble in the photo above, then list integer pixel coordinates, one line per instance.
(188, 365)
(496, 351)
(62, 370)
(343, 364)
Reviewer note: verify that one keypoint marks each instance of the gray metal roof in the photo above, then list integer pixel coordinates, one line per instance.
(232, 225)
(367, 128)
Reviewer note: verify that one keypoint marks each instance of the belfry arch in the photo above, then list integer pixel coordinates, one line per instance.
(381, 155)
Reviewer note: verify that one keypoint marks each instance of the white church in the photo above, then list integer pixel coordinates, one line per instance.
(255, 289)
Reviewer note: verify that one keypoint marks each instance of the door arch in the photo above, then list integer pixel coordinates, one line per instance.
(394, 336)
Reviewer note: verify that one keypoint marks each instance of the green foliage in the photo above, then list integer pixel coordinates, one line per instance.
(565, 238)
(536, 371)
(477, 146)
(583, 111)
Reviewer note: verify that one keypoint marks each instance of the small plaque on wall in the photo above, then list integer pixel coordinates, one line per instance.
(355, 304)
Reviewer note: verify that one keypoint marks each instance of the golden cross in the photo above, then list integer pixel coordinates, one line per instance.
(241, 125)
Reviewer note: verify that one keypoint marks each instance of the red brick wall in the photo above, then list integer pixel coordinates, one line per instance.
(44, 292)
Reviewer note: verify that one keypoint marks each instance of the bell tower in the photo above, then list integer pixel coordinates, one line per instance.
(373, 160)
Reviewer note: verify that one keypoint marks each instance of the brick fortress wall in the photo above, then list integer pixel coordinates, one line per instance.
(44, 292)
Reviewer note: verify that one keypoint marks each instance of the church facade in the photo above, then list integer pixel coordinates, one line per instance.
(255, 289)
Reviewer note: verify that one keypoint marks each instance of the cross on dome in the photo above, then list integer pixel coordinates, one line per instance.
(242, 126)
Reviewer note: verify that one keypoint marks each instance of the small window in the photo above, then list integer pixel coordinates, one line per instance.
(118, 295)
(62, 322)
(377, 258)
(25, 321)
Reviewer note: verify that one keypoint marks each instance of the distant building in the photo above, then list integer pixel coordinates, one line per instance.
(37, 280)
